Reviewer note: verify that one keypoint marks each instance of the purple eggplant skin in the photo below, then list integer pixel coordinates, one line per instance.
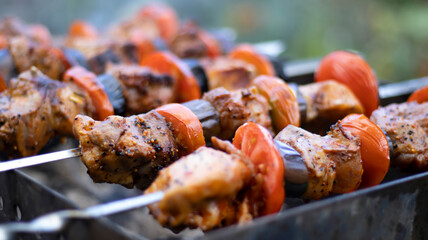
(296, 172)
(7, 66)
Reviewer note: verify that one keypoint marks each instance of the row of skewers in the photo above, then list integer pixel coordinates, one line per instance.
(164, 149)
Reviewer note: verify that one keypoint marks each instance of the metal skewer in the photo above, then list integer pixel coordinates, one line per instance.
(56, 221)
(39, 159)
(388, 93)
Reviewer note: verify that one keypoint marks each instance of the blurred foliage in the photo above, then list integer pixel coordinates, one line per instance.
(391, 34)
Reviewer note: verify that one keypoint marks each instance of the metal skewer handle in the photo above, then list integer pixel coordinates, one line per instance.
(56, 221)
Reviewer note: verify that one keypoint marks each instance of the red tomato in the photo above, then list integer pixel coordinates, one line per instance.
(3, 85)
(420, 95)
(353, 71)
(167, 63)
(88, 81)
(82, 29)
(256, 142)
(247, 53)
(3, 41)
(185, 125)
(285, 109)
(144, 45)
(374, 148)
(165, 18)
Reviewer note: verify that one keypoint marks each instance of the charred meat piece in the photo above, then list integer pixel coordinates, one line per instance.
(142, 89)
(101, 52)
(232, 74)
(34, 108)
(406, 124)
(207, 189)
(238, 107)
(187, 42)
(326, 102)
(128, 151)
(50, 60)
(333, 161)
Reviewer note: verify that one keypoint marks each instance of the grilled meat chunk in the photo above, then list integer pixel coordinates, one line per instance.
(326, 102)
(232, 74)
(50, 60)
(187, 43)
(128, 151)
(142, 89)
(12, 27)
(207, 189)
(406, 124)
(333, 161)
(34, 108)
(238, 107)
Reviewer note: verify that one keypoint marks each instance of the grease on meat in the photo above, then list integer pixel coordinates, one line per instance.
(406, 124)
(238, 107)
(34, 108)
(128, 151)
(48, 59)
(142, 89)
(326, 102)
(208, 189)
(232, 74)
(333, 161)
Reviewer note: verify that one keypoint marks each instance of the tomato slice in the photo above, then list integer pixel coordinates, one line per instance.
(374, 148)
(420, 95)
(88, 81)
(144, 45)
(247, 53)
(256, 142)
(167, 63)
(3, 85)
(185, 126)
(165, 18)
(285, 109)
(82, 29)
(3, 41)
(353, 71)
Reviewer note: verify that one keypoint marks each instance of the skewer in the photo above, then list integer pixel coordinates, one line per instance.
(56, 221)
(39, 159)
(388, 93)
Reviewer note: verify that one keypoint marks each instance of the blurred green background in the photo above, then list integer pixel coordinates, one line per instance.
(391, 34)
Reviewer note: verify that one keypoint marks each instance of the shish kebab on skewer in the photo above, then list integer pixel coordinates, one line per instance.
(415, 153)
(239, 121)
(326, 102)
(245, 186)
(90, 122)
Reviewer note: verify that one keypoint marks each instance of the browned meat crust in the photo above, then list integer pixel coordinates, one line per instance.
(35, 108)
(207, 189)
(327, 102)
(333, 161)
(407, 126)
(238, 107)
(142, 89)
(187, 44)
(47, 59)
(232, 74)
(128, 151)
